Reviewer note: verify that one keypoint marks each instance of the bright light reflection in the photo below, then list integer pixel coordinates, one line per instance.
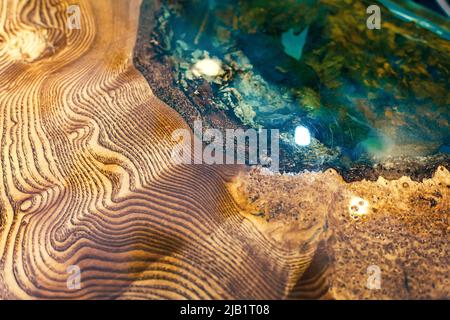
(302, 136)
(358, 206)
(207, 67)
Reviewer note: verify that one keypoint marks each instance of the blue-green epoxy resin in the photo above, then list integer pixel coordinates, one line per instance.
(314, 70)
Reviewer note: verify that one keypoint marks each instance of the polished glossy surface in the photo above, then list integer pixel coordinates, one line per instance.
(364, 95)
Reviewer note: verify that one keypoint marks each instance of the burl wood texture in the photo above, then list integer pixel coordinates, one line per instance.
(86, 177)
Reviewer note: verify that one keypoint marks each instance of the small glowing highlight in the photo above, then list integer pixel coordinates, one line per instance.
(302, 136)
(358, 207)
(207, 67)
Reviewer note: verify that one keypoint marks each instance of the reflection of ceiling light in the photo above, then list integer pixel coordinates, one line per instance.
(302, 136)
(207, 67)
(358, 207)
(27, 45)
